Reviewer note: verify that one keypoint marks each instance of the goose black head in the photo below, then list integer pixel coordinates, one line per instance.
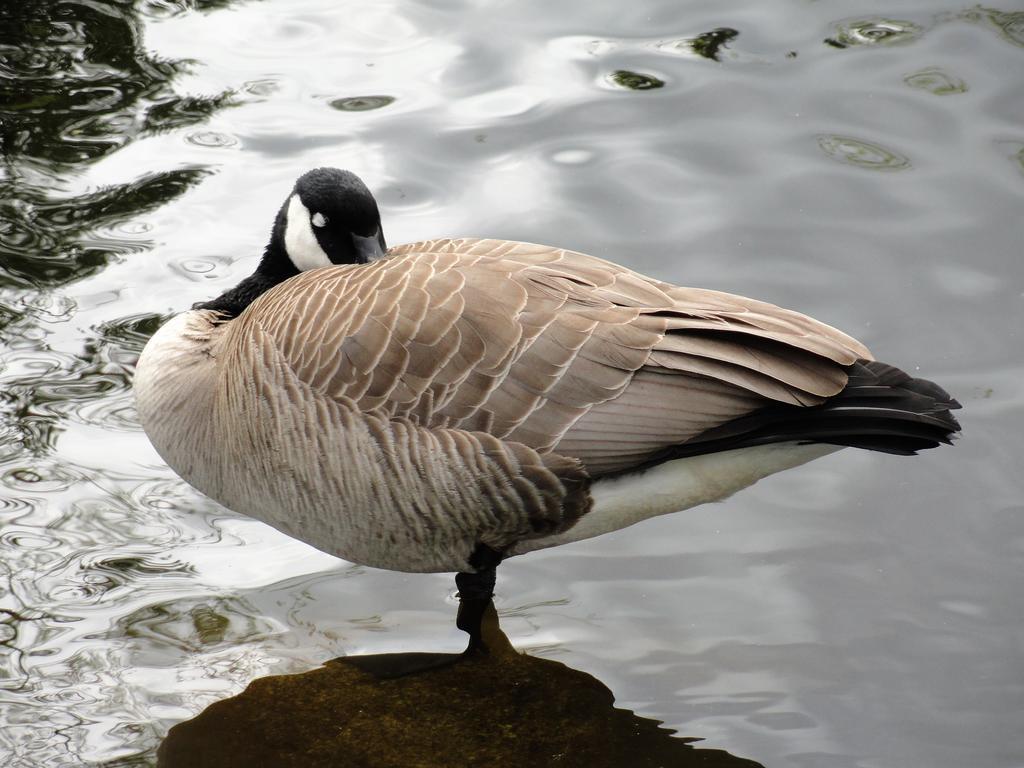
(330, 217)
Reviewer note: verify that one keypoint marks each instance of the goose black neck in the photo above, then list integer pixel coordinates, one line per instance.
(274, 268)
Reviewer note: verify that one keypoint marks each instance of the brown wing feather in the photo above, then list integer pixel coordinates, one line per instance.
(551, 348)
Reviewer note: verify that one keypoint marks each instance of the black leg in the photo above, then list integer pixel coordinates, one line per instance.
(475, 593)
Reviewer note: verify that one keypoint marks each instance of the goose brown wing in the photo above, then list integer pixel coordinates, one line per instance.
(550, 348)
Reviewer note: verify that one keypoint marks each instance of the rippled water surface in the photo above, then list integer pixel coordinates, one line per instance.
(861, 162)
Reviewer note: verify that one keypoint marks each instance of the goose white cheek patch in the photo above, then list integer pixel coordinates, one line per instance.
(299, 240)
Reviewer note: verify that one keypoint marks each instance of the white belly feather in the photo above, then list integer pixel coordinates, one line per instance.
(676, 485)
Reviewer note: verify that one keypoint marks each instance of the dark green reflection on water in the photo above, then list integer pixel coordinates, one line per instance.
(75, 75)
(709, 44)
(878, 31)
(1010, 24)
(936, 81)
(885, 32)
(192, 625)
(399, 710)
(77, 84)
(635, 81)
(362, 103)
(863, 154)
(46, 242)
(92, 386)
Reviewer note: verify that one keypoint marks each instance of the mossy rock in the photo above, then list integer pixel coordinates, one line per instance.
(499, 708)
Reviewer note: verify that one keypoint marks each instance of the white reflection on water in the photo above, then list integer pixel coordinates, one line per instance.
(862, 610)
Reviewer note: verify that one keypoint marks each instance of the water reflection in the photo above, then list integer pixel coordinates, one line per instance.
(77, 84)
(168, 8)
(936, 81)
(634, 81)
(885, 31)
(863, 154)
(44, 388)
(874, 32)
(709, 44)
(499, 708)
(361, 103)
(195, 625)
(1009, 24)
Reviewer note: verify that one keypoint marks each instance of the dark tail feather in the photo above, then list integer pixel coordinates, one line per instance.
(881, 409)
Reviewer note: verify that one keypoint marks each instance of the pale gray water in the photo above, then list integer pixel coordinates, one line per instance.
(864, 610)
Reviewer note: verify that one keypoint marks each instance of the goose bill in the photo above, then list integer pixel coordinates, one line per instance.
(368, 248)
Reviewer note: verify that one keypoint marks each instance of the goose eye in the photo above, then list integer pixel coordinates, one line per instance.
(319, 220)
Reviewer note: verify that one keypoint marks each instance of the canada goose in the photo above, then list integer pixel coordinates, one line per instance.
(446, 404)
